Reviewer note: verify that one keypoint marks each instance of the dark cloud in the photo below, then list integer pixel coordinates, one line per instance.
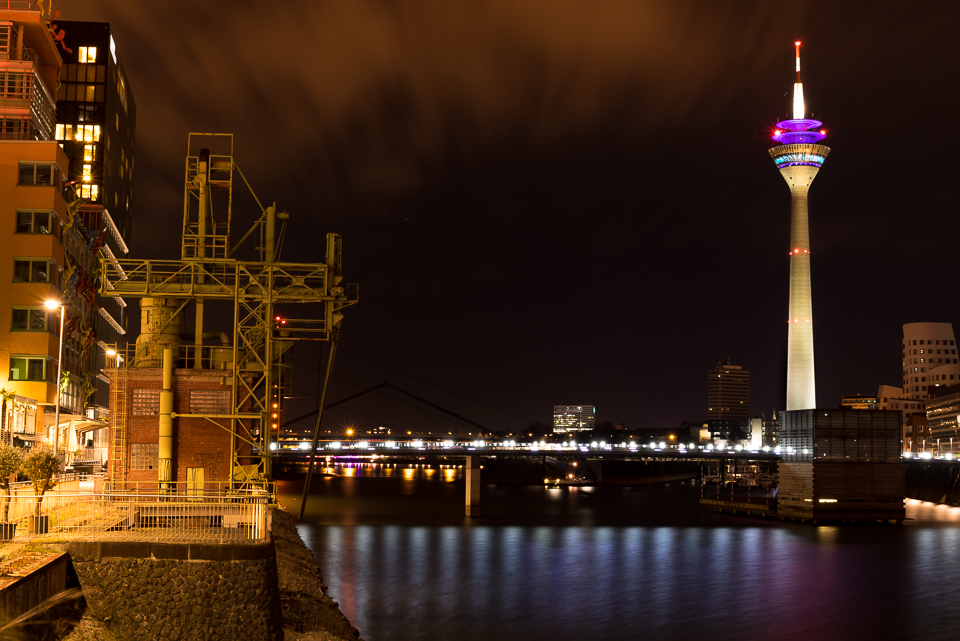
(553, 199)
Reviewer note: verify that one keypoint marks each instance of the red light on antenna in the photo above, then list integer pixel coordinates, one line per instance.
(797, 43)
(277, 318)
(823, 131)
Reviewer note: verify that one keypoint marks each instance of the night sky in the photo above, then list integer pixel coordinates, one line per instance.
(549, 202)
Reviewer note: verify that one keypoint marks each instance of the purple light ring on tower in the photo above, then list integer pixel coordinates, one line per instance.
(798, 131)
(799, 124)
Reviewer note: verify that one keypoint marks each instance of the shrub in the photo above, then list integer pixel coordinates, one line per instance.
(40, 465)
(11, 461)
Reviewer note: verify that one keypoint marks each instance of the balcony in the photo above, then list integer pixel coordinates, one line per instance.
(23, 91)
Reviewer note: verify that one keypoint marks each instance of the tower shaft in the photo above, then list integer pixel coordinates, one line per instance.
(801, 385)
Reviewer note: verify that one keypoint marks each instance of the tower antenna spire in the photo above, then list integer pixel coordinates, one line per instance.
(799, 110)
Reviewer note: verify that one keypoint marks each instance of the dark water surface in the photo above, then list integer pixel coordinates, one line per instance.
(615, 563)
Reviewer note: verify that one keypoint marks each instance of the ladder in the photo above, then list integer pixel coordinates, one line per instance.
(119, 414)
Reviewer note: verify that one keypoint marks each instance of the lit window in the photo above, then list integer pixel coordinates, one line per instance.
(90, 192)
(25, 368)
(86, 173)
(87, 54)
(59, 135)
(90, 93)
(89, 152)
(88, 133)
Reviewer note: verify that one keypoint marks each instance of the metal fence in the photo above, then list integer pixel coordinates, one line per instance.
(83, 508)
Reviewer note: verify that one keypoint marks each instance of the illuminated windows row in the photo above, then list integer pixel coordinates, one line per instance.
(83, 133)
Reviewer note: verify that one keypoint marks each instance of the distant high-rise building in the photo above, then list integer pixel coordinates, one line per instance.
(728, 392)
(799, 157)
(929, 358)
(574, 418)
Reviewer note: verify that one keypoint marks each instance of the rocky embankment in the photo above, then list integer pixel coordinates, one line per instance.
(308, 613)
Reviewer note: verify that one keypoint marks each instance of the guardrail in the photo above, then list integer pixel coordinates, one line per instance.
(77, 509)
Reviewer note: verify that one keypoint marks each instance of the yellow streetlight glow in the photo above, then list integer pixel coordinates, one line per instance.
(51, 304)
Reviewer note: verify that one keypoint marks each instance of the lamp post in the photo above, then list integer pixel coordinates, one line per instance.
(51, 305)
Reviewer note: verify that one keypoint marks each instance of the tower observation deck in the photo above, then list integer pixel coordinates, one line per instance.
(799, 155)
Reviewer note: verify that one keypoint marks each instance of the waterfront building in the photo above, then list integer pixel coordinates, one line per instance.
(34, 199)
(799, 156)
(729, 430)
(58, 227)
(916, 433)
(928, 358)
(728, 392)
(574, 418)
(841, 464)
(943, 414)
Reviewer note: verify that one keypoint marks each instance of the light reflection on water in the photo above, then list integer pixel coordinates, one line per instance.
(617, 563)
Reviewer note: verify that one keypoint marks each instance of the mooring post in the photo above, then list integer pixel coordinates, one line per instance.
(473, 485)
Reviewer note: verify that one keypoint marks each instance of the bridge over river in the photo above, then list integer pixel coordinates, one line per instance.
(926, 477)
(471, 453)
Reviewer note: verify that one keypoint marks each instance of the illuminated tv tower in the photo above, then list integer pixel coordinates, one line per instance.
(799, 158)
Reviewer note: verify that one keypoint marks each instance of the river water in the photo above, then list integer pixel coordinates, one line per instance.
(615, 563)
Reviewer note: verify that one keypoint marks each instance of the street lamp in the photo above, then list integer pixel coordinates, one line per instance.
(52, 305)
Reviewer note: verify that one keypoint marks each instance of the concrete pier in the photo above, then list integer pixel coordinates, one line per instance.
(473, 485)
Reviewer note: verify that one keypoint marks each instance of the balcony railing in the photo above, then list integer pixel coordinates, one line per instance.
(88, 507)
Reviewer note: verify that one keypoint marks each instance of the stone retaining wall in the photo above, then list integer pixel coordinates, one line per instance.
(151, 591)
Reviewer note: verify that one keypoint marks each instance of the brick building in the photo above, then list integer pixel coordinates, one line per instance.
(201, 445)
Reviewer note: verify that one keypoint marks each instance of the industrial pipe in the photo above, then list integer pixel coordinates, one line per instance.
(166, 422)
